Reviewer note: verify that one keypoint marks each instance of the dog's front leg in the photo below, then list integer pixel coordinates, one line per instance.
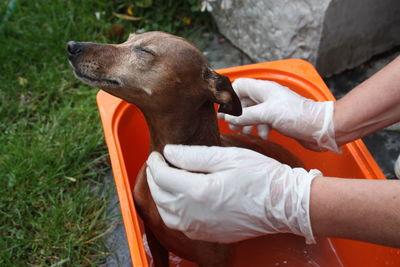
(159, 253)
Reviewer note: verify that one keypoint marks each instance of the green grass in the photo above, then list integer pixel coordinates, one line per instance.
(52, 151)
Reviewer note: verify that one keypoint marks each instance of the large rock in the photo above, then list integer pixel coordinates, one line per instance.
(332, 34)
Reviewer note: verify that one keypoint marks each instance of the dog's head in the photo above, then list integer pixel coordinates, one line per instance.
(153, 70)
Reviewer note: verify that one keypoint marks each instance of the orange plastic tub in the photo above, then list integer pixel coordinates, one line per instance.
(127, 139)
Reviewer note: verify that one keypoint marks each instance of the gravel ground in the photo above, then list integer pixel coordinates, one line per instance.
(383, 145)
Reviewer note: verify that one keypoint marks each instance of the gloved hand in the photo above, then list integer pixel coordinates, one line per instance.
(229, 194)
(269, 103)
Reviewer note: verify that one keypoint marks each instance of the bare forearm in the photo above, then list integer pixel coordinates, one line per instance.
(371, 106)
(358, 209)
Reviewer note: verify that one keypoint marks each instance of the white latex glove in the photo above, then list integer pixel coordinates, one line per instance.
(229, 194)
(269, 103)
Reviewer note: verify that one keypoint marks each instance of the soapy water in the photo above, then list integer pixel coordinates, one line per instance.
(281, 250)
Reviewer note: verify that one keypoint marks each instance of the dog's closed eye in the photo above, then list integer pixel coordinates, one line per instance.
(141, 49)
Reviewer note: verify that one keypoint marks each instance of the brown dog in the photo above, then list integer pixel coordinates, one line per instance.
(171, 82)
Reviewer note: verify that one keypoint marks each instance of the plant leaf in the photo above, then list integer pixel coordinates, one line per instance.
(144, 3)
(126, 17)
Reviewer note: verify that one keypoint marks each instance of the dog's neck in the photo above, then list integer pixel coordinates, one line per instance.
(184, 126)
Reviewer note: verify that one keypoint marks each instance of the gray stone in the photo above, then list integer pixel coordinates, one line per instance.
(222, 54)
(354, 31)
(334, 35)
(394, 127)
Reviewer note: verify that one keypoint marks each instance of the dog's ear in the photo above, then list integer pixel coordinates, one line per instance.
(222, 93)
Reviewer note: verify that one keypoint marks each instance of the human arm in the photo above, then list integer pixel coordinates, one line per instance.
(370, 106)
(358, 209)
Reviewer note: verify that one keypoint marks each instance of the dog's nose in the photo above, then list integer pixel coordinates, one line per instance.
(74, 49)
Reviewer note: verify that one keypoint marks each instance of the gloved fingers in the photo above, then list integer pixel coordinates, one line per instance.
(234, 127)
(202, 158)
(263, 131)
(171, 219)
(247, 129)
(221, 116)
(163, 198)
(166, 204)
(250, 116)
(247, 102)
(249, 88)
(257, 90)
(168, 178)
(202, 236)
